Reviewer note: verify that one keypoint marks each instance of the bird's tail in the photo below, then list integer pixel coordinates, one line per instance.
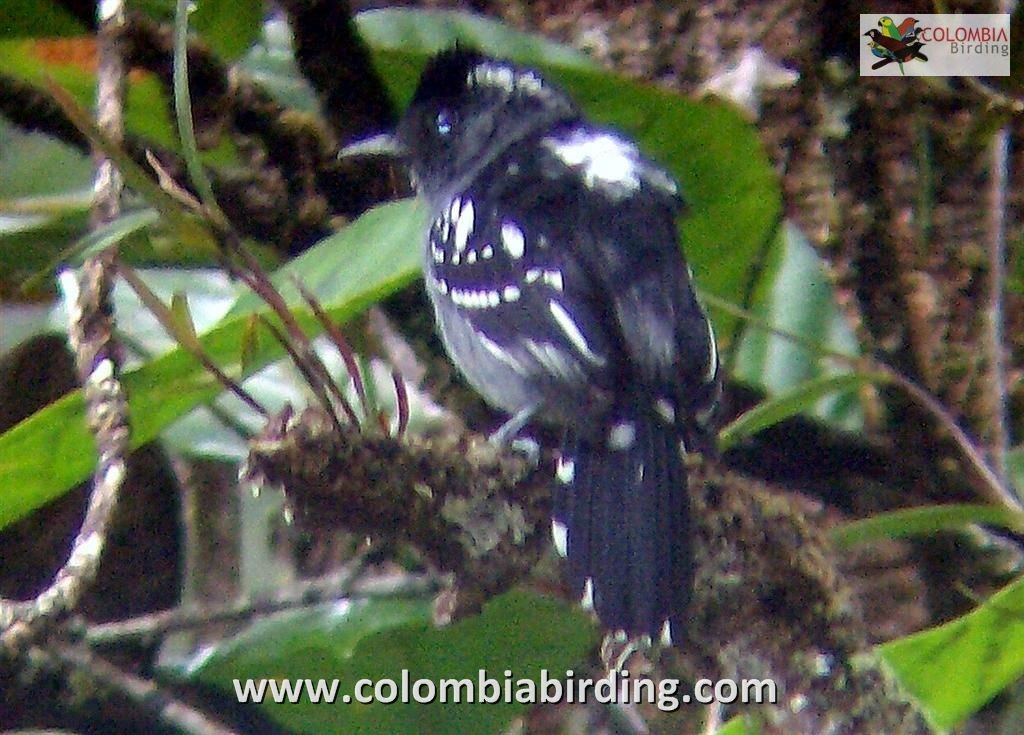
(623, 502)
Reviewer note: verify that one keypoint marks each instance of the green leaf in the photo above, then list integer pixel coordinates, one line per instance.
(955, 669)
(800, 399)
(401, 225)
(518, 632)
(423, 33)
(114, 232)
(38, 61)
(51, 451)
(924, 521)
(798, 298)
(229, 26)
(1015, 467)
(741, 725)
(37, 19)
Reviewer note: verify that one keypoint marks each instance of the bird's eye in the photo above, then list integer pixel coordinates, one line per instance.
(445, 122)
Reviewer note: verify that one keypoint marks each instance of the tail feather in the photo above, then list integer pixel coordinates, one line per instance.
(626, 511)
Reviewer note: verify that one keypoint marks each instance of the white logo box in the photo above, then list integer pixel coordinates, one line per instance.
(935, 45)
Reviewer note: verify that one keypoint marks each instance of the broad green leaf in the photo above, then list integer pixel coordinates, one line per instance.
(519, 633)
(51, 451)
(955, 669)
(113, 232)
(69, 62)
(922, 521)
(741, 725)
(229, 26)
(425, 32)
(320, 269)
(799, 299)
(1015, 466)
(35, 165)
(800, 399)
(29, 248)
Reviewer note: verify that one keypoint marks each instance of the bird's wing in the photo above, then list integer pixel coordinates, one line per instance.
(627, 240)
(499, 252)
(906, 26)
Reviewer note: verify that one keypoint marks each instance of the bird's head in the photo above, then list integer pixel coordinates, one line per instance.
(469, 107)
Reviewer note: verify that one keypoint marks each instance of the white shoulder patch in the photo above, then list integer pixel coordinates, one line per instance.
(608, 161)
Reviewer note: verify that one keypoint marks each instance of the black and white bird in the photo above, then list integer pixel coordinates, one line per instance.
(562, 294)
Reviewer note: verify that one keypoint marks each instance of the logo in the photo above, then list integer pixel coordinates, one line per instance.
(937, 44)
(895, 44)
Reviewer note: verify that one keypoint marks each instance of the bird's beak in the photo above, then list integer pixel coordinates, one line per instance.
(385, 144)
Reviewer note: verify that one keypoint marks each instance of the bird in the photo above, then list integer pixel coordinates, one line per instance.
(898, 49)
(889, 28)
(890, 50)
(907, 29)
(562, 294)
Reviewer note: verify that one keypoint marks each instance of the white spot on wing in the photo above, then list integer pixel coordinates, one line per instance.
(486, 252)
(560, 536)
(713, 355)
(664, 408)
(587, 599)
(512, 240)
(470, 299)
(622, 435)
(502, 355)
(572, 331)
(565, 471)
(550, 277)
(553, 360)
(666, 634)
(511, 293)
(554, 279)
(464, 225)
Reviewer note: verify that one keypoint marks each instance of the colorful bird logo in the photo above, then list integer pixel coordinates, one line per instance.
(895, 43)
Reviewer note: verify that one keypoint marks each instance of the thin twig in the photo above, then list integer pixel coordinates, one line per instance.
(993, 342)
(110, 86)
(159, 703)
(183, 113)
(186, 338)
(998, 100)
(315, 592)
(90, 333)
(340, 344)
(153, 625)
(307, 367)
(91, 338)
(402, 402)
